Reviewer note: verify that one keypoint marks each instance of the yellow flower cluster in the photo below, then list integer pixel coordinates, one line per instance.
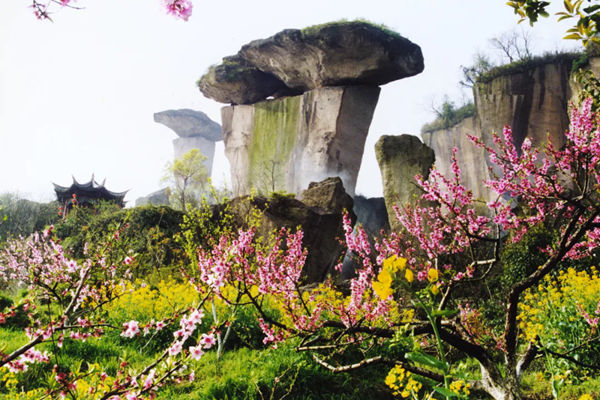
(558, 300)
(396, 381)
(143, 302)
(8, 378)
(586, 397)
(383, 285)
(460, 387)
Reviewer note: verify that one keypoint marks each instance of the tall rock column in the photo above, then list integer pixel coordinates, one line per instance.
(285, 144)
(400, 158)
(196, 131)
(302, 102)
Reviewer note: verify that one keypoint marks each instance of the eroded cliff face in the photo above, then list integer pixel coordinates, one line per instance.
(471, 159)
(285, 144)
(534, 103)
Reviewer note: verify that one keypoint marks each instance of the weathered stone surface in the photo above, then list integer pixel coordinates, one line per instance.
(471, 159)
(287, 143)
(235, 83)
(184, 144)
(534, 103)
(335, 54)
(157, 198)
(187, 123)
(321, 226)
(328, 194)
(400, 158)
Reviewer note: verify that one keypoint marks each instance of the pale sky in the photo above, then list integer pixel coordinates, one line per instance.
(77, 96)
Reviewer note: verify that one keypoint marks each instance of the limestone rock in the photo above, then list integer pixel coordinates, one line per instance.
(534, 103)
(287, 143)
(335, 54)
(400, 158)
(471, 159)
(157, 198)
(328, 194)
(235, 83)
(188, 123)
(322, 227)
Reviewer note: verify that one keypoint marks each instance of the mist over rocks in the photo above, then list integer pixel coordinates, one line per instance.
(294, 61)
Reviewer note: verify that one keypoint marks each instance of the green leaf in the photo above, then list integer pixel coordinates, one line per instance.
(565, 17)
(569, 6)
(589, 10)
(544, 14)
(555, 389)
(444, 391)
(426, 359)
(574, 36)
(444, 313)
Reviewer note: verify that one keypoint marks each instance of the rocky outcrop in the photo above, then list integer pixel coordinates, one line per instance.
(400, 158)
(233, 83)
(190, 123)
(157, 198)
(321, 226)
(471, 159)
(195, 130)
(335, 54)
(534, 103)
(287, 143)
(328, 194)
(295, 61)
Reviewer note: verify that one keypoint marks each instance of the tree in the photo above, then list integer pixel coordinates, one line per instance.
(481, 65)
(513, 45)
(188, 175)
(586, 27)
(181, 9)
(446, 250)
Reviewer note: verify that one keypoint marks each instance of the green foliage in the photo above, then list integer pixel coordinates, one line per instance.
(449, 115)
(315, 29)
(529, 64)
(188, 177)
(22, 217)
(149, 232)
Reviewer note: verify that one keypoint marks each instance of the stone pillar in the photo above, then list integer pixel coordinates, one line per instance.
(400, 158)
(285, 144)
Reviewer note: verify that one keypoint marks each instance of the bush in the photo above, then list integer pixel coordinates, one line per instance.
(529, 64)
(449, 116)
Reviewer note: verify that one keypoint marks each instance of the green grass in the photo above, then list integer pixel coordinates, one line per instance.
(529, 64)
(315, 29)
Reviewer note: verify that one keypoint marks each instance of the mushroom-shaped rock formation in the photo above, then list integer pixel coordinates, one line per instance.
(400, 158)
(196, 131)
(295, 61)
(187, 123)
(335, 54)
(324, 83)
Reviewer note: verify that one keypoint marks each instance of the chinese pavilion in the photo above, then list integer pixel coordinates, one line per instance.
(86, 194)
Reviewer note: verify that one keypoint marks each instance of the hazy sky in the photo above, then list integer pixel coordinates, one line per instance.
(77, 96)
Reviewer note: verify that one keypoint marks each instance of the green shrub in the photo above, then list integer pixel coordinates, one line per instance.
(449, 116)
(529, 64)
